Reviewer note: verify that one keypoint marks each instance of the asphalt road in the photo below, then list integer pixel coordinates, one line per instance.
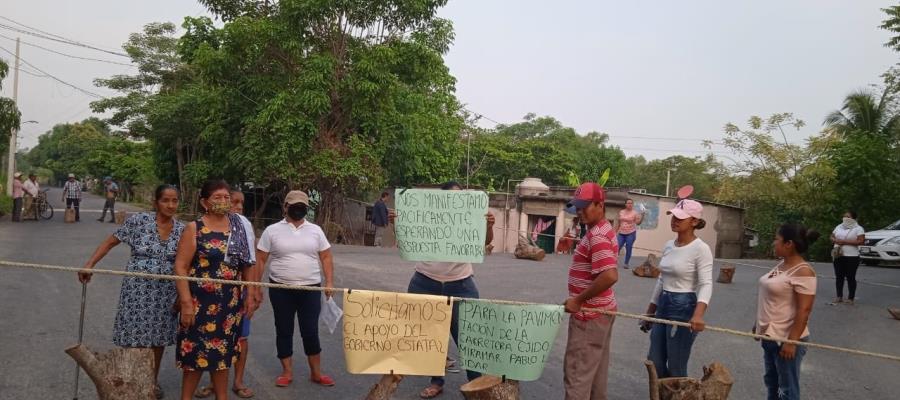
(40, 320)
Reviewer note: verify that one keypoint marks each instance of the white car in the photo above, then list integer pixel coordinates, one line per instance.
(882, 246)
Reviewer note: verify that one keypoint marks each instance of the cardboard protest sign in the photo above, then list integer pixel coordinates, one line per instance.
(441, 225)
(404, 333)
(510, 340)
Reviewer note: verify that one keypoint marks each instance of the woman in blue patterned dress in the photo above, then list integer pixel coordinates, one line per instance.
(145, 317)
(215, 246)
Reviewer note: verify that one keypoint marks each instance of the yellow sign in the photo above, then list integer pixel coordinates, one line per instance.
(403, 333)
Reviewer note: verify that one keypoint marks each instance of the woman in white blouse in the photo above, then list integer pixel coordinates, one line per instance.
(682, 292)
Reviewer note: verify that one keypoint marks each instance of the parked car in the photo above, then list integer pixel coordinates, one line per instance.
(882, 246)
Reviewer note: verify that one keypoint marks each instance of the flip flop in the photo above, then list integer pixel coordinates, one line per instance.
(431, 392)
(244, 392)
(204, 392)
(323, 380)
(283, 381)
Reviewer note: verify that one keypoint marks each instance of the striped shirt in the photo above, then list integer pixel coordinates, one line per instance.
(595, 254)
(72, 189)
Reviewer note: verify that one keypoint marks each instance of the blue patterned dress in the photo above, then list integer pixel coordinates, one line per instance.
(146, 317)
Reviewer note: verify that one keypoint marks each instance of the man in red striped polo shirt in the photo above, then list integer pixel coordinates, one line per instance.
(591, 277)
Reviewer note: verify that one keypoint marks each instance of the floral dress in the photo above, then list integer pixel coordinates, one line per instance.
(211, 344)
(145, 317)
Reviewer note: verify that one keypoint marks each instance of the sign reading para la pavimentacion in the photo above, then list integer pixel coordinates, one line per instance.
(400, 333)
(441, 225)
(510, 340)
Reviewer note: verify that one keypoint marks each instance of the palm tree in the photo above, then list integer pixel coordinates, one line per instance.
(892, 23)
(864, 111)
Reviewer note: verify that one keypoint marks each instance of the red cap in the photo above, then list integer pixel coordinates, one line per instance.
(587, 193)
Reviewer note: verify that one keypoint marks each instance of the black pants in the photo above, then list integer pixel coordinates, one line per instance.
(111, 206)
(17, 209)
(306, 305)
(74, 203)
(845, 268)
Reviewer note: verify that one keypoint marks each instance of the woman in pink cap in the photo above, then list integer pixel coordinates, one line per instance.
(682, 292)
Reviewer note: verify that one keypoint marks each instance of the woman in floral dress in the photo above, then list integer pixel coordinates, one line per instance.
(145, 317)
(214, 246)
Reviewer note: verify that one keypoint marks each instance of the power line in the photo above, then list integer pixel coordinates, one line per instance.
(68, 55)
(87, 92)
(65, 41)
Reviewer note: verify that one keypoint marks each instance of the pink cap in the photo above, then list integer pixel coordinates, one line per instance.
(685, 209)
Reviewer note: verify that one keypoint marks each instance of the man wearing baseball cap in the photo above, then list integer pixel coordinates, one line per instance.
(72, 195)
(300, 255)
(18, 193)
(591, 277)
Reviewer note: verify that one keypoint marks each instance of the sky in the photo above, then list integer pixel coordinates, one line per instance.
(657, 76)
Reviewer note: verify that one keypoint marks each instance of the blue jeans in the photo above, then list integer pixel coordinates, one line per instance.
(628, 242)
(670, 346)
(421, 284)
(782, 376)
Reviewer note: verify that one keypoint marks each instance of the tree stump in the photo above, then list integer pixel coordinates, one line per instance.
(120, 217)
(384, 389)
(489, 387)
(525, 250)
(726, 273)
(119, 374)
(716, 383)
(895, 312)
(650, 267)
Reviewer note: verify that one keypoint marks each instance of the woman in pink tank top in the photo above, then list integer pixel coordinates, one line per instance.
(785, 302)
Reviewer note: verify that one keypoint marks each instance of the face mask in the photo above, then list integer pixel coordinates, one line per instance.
(219, 207)
(297, 211)
(848, 222)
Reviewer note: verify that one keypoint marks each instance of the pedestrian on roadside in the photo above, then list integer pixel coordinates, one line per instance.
(846, 239)
(447, 279)
(298, 254)
(32, 191)
(785, 301)
(72, 195)
(238, 387)
(110, 192)
(626, 228)
(18, 193)
(591, 277)
(214, 246)
(145, 317)
(380, 217)
(682, 292)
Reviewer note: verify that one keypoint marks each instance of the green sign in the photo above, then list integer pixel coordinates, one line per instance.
(507, 340)
(441, 225)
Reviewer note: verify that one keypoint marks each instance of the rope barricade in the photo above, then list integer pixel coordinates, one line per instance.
(641, 317)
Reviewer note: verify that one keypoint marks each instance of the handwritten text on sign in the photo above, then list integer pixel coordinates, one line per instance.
(441, 225)
(399, 332)
(511, 340)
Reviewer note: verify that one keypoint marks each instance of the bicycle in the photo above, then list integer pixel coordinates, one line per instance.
(43, 207)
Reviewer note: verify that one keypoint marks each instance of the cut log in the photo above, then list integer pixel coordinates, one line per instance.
(679, 389)
(654, 380)
(119, 374)
(650, 267)
(716, 383)
(120, 217)
(384, 389)
(489, 387)
(726, 273)
(895, 312)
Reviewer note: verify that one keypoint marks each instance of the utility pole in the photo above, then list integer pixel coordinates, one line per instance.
(11, 164)
(668, 179)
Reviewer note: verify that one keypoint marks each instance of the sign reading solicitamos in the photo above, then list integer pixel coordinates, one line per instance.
(441, 225)
(403, 333)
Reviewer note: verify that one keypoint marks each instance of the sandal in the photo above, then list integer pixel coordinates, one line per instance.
(323, 380)
(836, 301)
(431, 392)
(283, 381)
(244, 392)
(204, 392)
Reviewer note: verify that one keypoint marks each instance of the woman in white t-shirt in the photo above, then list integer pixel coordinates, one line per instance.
(846, 238)
(682, 292)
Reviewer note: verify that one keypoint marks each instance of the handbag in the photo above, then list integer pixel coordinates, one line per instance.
(838, 250)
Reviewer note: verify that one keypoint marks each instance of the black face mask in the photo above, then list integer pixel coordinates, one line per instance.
(297, 211)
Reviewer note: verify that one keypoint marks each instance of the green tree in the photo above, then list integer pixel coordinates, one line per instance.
(704, 173)
(9, 113)
(892, 24)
